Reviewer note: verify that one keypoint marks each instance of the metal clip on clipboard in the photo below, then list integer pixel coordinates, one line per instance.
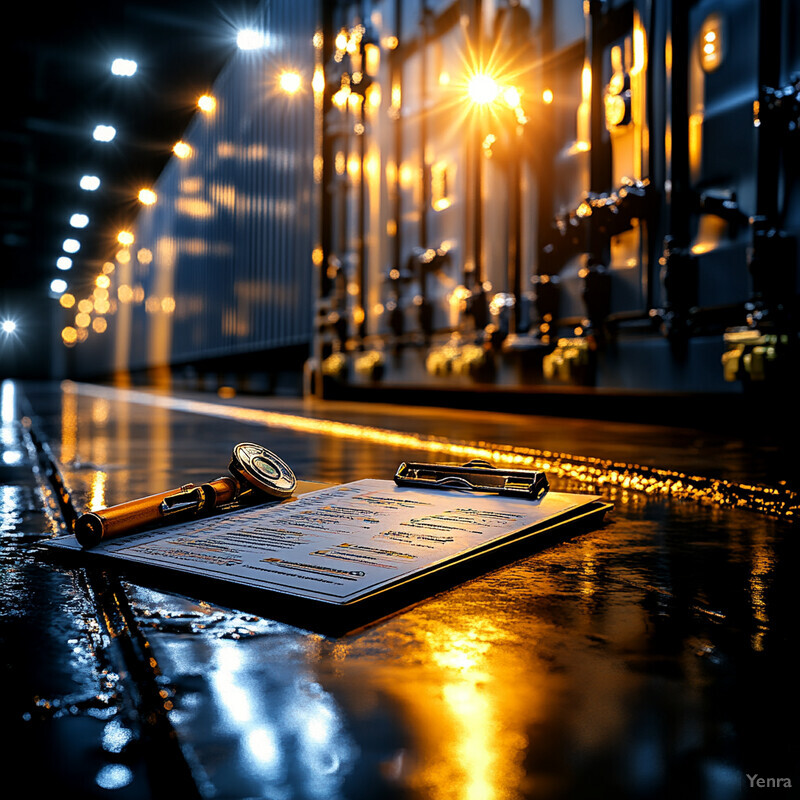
(474, 476)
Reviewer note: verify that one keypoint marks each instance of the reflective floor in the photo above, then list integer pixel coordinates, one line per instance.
(651, 658)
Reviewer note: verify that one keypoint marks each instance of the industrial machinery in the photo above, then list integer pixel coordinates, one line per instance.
(534, 196)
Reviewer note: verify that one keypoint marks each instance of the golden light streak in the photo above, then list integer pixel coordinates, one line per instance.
(588, 472)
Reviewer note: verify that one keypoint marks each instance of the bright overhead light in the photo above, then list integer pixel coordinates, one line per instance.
(182, 150)
(249, 39)
(9, 326)
(90, 183)
(124, 67)
(147, 197)
(58, 286)
(71, 246)
(104, 133)
(207, 103)
(64, 262)
(125, 237)
(79, 220)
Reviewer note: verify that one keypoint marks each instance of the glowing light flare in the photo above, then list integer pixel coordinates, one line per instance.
(482, 89)
(104, 133)
(147, 197)
(547, 96)
(89, 183)
(9, 326)
(71, 245)
(64, 263)
(79, 220)
(125, 237)
(58, 286)
(67, 300)
(124, 67)
(290, 82)
(102, 281)
(207, 103)
(182, 149)
(250, 39)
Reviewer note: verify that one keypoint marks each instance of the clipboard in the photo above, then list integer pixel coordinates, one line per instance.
(461, 562)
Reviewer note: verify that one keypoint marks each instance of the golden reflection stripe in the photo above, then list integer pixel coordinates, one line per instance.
(592, 473)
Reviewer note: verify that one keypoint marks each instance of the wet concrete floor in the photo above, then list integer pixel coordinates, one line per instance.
(650, 658)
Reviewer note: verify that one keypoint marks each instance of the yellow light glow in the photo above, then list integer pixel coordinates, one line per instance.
(444, 78)
(639, 50)
(102, 281)
(372, 55)
(290, 82)
(206, 103)
(374, 96)
(341, 40)
(340, 98)
(482, 89)
(125, 237)
(391, 42)
(123, 256)
(512, 97)
(97, 499)
(353, 166)
(182, 149)
(354, 101)
(586, 82)
(318, 81)
(69, 335)
(85, 306)
(340, 162)
(67, 300)
(99, 325)
(147, 197)
(125, 293)
(109, 267)
(144, 256)
(82, 320)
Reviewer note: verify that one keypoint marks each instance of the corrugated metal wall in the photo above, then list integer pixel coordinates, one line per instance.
(221, 263)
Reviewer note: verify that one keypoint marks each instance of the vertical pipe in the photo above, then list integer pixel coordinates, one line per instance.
(768, 143)
(680, 195)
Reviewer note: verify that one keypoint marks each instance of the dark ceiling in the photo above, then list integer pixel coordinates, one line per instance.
(58, 85)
